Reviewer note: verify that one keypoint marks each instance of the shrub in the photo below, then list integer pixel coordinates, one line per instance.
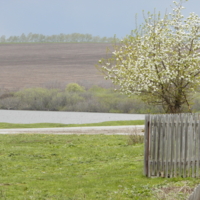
(74, 87)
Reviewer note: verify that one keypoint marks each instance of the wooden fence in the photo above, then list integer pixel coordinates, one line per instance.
(196, 194)
(172, 145)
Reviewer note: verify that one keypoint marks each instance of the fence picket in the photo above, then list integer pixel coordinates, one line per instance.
(145, 144)
(197, 148)
(172, 145)
(176, 145)
(159, 145)
(162, 147)
(193, 146)
(181, 145)
(178, 137)
(189, 137)
(149, 143)
(154, 145)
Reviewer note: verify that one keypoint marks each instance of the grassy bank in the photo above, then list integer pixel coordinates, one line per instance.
(52, 125)
(73, 167)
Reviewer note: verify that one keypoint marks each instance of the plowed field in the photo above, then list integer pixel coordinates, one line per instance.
(32, 65)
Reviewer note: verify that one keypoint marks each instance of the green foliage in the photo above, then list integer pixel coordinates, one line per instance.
(74, 87)
(37, 99)
(74, 98)
(76, 167)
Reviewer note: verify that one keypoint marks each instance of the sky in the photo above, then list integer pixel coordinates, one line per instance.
(104, 18)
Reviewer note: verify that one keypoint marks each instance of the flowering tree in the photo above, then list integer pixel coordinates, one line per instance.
(159, 61)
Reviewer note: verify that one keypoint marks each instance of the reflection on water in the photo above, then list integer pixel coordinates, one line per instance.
(26, 117)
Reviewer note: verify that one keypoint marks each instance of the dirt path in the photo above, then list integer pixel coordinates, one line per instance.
(107, 130)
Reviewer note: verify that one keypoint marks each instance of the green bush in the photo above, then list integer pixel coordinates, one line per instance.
(74, 87)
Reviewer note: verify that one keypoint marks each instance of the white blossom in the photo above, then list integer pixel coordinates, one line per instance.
(163, 53)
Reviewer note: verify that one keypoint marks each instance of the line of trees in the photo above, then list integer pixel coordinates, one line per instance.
(74, 98)
(61, 38)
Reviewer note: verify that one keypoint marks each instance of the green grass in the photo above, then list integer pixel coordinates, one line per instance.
(53, 125)
(76, 167)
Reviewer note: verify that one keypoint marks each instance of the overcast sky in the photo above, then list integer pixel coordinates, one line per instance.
(96, 17)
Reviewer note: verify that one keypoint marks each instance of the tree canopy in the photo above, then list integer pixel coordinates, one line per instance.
(159, 61)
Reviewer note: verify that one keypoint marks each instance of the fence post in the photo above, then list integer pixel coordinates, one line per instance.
(146, 142)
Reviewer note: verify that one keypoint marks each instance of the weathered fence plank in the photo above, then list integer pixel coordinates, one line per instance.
(197, 148)
(196, 194)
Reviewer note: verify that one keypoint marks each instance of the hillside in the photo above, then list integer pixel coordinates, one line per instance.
(48, 64)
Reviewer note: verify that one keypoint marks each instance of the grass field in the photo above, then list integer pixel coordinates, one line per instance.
(52, 125)
(76, 167)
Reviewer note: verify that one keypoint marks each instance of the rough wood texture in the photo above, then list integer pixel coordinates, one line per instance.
(172, 144)
(196, 194)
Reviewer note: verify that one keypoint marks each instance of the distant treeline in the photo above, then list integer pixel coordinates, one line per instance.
(74, 98)
(61, 38)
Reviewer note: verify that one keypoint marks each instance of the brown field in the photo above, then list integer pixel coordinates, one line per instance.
(50, 65)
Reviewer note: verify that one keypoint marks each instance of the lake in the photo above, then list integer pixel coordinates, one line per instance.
(27, 117)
